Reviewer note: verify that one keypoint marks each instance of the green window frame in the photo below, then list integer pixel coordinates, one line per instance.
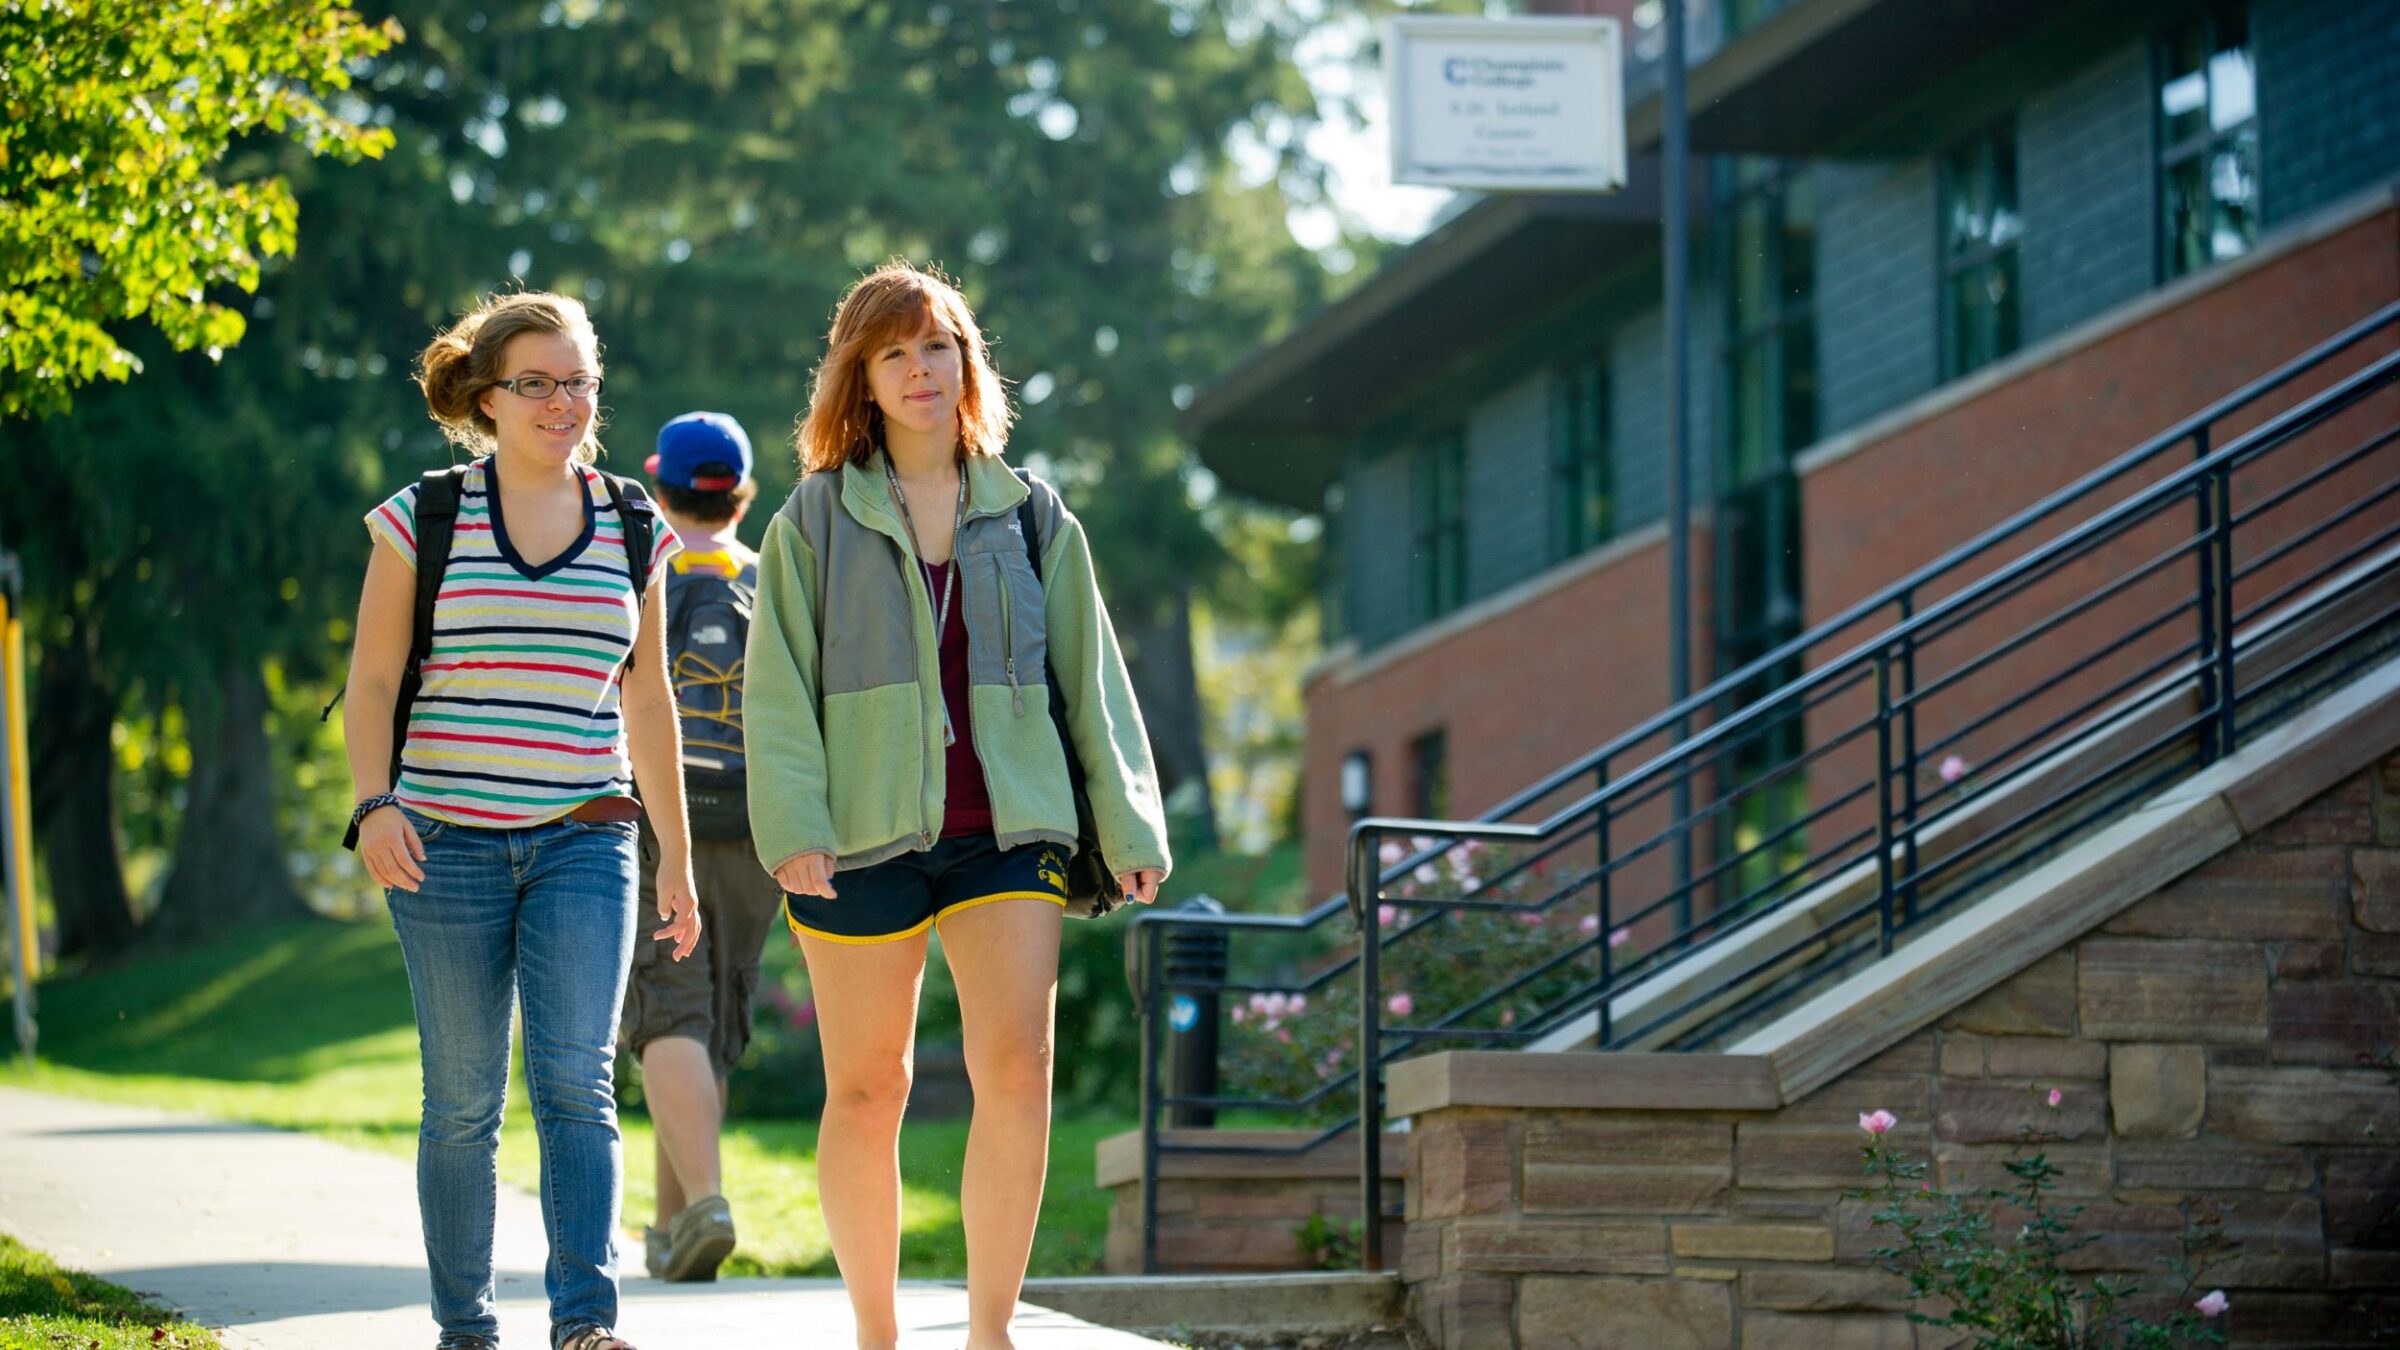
(1767, 217)
(1768, 259)
(1429, 775)
(2208, 147)
(1982, 317)
(1583, 500)
(1439, 546)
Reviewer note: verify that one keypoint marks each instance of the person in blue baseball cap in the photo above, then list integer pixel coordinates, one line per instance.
(688, 1022)
(703, 453)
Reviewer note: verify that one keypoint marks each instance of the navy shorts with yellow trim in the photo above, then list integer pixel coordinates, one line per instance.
(899, 897)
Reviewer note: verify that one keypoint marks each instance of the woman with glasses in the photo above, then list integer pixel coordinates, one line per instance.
(502, 825)
(906, 773)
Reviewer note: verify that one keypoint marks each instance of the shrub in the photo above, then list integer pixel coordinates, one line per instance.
(2011, 1290)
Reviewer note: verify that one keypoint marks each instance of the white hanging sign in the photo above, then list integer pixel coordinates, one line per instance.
(1531, 104)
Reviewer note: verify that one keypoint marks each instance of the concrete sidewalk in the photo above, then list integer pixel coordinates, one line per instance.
(285, 1242)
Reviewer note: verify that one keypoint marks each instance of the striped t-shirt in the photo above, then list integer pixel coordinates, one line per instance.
(517, 721)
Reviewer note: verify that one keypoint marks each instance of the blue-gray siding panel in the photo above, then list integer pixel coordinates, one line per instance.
(1508, 487)
(2086, 180)
(2329, 100)
(1376, 531)
(1637, 397)
(1877, 345)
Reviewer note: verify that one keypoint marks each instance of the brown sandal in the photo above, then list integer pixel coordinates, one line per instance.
(595, 1338)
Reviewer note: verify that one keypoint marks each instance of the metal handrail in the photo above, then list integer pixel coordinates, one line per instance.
(1887, 658)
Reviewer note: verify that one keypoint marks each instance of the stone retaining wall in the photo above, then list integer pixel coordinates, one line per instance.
(2228, 1037)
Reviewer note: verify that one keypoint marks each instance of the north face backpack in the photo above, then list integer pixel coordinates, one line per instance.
(708, 624)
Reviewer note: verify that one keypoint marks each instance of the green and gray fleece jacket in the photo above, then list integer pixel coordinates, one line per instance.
(842, 694)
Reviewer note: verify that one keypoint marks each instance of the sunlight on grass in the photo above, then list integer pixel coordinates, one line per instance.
(307, 1027)
(42, 1305)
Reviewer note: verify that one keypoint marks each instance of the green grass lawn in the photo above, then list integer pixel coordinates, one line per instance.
(307, 1026)
(44, 1308)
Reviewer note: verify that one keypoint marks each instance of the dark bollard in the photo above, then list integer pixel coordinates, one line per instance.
(1195, 969)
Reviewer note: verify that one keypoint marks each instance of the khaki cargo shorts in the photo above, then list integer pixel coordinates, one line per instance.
(706, 996)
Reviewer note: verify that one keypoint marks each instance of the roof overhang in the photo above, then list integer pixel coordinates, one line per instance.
(1886, 77)
(1275, 427)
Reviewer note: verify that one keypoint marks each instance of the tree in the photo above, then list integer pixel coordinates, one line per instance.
(709, 187)
(111, 206)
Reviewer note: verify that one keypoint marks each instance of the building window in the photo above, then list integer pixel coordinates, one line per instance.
(1770, 270)
(1583, 508)
(1429, 776)
(1980, 226)
(1358, 783)
(1743, 15)
(1768, 262)
(2207, 141)
(1440, 545)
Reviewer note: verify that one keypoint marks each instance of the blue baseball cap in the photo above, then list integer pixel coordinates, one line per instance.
(702, 451)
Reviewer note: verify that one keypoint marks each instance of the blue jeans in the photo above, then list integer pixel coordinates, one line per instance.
(544, 913)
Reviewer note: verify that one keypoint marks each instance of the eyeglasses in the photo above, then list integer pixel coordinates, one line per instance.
(539, 386)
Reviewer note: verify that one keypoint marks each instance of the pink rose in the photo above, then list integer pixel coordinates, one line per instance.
(1531, 918)
(1400, 1004)
(2055, 1097)
(1589, 924)
(1388, 915)
(1284, 1036)
(1877, 1122)
(1953, 768)
(1240, 1013)
(1508, 1017)
(1391, 853)
(1298, 1005)
(2214, 1304)
(1620, 937)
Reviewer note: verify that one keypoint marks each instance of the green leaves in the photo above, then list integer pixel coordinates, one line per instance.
(122, 195)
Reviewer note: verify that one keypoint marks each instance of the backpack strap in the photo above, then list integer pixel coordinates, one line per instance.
(1029, 526)
(436, 516)
(438, 494)
(640, 519)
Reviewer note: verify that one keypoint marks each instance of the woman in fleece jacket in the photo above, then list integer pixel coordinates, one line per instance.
(905, 771)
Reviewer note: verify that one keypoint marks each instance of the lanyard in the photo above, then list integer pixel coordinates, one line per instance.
(941, 612)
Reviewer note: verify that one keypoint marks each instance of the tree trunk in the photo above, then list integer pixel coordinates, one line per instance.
(1158, 656)
(75, 802)
(228, 866)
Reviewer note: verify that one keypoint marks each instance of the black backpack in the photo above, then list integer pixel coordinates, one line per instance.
(1092, 890)
(708, 627)
(438, 494)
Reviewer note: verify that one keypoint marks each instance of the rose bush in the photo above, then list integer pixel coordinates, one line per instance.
(1450, 968)
(1997, 1260)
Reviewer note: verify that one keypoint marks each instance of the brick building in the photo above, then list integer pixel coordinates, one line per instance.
(1946, 258)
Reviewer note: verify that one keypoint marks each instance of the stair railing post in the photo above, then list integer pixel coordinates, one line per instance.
(2220, 485)
(1153, 999)
(1607, 976)
(1908, 751)
(1883, 800)
(1370, 1050)
(2205, 557)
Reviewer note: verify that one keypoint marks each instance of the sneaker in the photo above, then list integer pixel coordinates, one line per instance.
(654, 1251)
(698, 1240)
